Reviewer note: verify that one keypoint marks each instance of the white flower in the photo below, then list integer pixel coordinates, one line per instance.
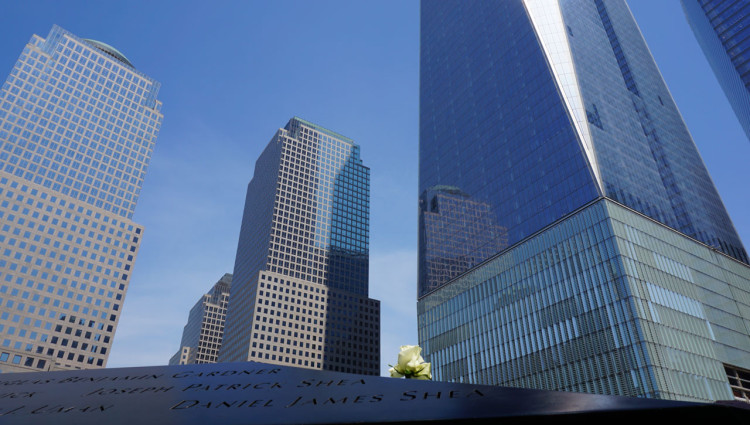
(411, 364)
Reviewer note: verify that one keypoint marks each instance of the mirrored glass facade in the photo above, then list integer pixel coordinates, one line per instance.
(77, 127)
(722, 28)
(605, 301)
(492, 122)
(542, 110)
(300, 290)
(534, 133)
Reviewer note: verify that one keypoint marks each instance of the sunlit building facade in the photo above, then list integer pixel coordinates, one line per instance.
(78, 124)
(299, 294)
(204, 331)
(623, 274)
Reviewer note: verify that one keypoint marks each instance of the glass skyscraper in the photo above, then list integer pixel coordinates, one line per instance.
(204, 331)
(624, 274)
(299, 294)
(78, 124)
(722, 28)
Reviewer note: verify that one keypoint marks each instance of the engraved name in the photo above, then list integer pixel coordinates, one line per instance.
(230, 387)
(190, 374)
(189, 404)
(335, 383)
(47, 409)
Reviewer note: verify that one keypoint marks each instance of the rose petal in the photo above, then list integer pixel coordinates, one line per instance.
(425, 372)
(408, 354)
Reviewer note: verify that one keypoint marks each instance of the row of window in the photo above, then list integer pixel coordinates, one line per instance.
(86, 216)
(93, 293)
(17, 359)
(72, 79)
(288, 360)
(119, 77)
(86, 108)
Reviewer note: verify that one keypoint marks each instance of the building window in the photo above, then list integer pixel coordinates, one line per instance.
(739, 381)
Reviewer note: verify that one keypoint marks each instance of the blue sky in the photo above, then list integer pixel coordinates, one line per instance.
(233, 72)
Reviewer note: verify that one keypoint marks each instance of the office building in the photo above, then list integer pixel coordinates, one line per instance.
(78, 124)
(624, 274)
(299, 294)
(722, 28)
(203, 333)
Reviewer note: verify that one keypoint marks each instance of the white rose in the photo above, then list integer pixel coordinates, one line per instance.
(411, 364)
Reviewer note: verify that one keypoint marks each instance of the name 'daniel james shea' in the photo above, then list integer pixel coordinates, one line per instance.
(324, 401)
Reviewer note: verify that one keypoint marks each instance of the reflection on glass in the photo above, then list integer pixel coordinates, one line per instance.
(456, 234)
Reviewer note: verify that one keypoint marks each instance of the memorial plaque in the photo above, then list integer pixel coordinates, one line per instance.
(255, 393)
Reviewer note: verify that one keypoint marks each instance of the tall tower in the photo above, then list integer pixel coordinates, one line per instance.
(78, 124)
(722, 28)
(623, 274)
(204, 331)
(300, 291)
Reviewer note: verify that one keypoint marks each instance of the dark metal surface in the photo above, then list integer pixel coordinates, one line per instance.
(254, 393)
